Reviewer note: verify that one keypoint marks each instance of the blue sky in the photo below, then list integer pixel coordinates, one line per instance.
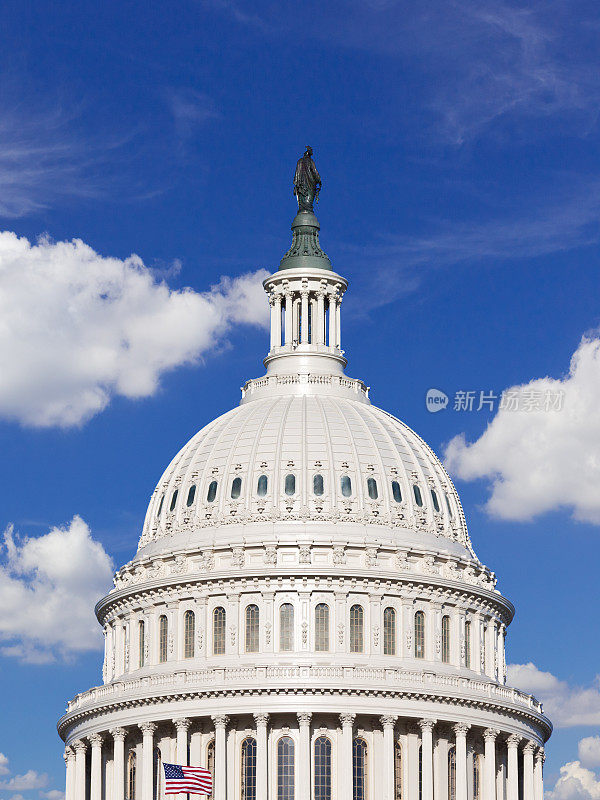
(458, 144)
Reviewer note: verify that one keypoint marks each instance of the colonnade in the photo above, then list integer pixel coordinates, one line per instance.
(292, 307)
(409, 757)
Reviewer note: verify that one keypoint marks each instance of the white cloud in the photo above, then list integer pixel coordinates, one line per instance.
(538, 461)
(575, 783)
(48, 588)
(567, 706)
(79, 328)
(22, 783)
(589, 751)
(4, 770)
(53, 794)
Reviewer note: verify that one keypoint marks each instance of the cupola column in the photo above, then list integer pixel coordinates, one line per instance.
(80, 748)
(220, 789)
(304, 317)
(538, 772)
(426, 726)
(304, 719)
(489, 790)
(346, 771)
(460, 732)
(388, 723)
(512, 778)
(118, 735)
(332, 320)
(275, 301)
(528, 785)
(262, 766)
(96, 766)
(69, 757)
(148, 729)
(288, 318)
(320, 327)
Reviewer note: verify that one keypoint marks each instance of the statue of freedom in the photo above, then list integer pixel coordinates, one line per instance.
(307, 181)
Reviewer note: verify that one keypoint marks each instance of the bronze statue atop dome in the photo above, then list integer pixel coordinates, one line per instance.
(307, 181)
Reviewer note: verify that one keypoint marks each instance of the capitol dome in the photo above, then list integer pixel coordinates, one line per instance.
(305, 615)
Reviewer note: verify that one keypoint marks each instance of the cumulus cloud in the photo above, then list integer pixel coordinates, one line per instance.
(589, 751)
(4, 770)
(575, 783)
(567, 706)
(79, 328)
(23, 783)
(53, 794)
(543, 456)
(48, 588)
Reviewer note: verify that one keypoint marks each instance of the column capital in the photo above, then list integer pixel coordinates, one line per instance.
(182, 723)
(95, 739)
(304, 717)
(461, 729)
(148, 728)
(490, 734)
(118, 734)
(261, 718)
(514, 740)
(427, 724)
(529, 747)
(69, 753)
(80, 745)
(347, 719)
(540, 754)
(220, 721)
(388, 720)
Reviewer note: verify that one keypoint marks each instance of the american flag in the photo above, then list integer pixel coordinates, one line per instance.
(184, 780)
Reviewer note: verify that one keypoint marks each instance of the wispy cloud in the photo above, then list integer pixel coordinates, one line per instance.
(190, 110)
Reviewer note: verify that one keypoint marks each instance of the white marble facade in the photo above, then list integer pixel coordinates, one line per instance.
(305, 614)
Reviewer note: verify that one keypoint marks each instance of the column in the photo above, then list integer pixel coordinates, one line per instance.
(501, 653)
(332, 320)
(278, 320)
(426, 726)
(262, 763)
(512, 778)
(346, 771)
(69, 757)
(538, 773)
(460, 732)
(80, 748)
(304, 761)
(96, 766)
(181, 726)
(273, 304)
(147, 729)
(338, 323)
(320, 329)
(489, 780)
(288, 318)
(388, 723)
(304, 318)
(528, 790)
(220, 788)
(118, 735)
(412, 759)
(440, 767)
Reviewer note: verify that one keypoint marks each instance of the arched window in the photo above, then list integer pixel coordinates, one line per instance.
(248, 776)
(219, 620)
(286, 627)
(318, 487)
(212, 492)
(435, 501)
(372, 488)
(396, 492)
(285, 769)
(189, 634)
(346, 485)
(156, 793)
(419, 634)
(468, 644)
(236, 488)
(389, 632)
(174, 500)
(322, 768)
(290, 484)
(356, 629)
(418, 495)
(476, 776)
(141, 643)
(452, 773)
(163, 638)
(322, 628)
(160, 505)
(130, 776)
(446, 639)
(397, 771)
(191, 495)
(359, 769)
(261, 487)
(210, 762)
(252, 628)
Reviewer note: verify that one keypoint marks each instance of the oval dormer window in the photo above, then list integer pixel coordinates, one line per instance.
(191, 495)
(212, 492)
(160, 505)
(236, 488)
(435, 501)
(418, 495)
(372, 488)
(174, 500)
(318, 485)
(396, 492)
(290, 484)
(261, 488)
(346, 485)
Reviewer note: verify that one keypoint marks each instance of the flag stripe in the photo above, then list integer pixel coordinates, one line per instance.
(183, 780)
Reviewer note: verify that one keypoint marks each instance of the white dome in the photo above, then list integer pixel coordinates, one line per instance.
(307, 435)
